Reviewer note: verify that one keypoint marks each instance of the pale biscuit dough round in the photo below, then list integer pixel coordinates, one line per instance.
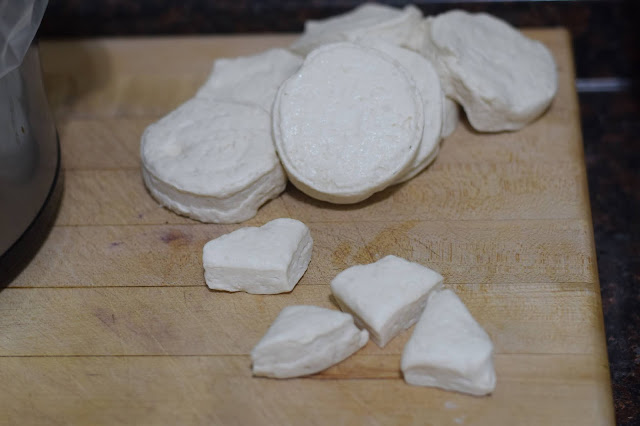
(502, 79)
(420, 167)
(451, 117)
(428, 84)
(252, 79)
(213, 161)
(348, 123)
(369, 20)
(417, 36)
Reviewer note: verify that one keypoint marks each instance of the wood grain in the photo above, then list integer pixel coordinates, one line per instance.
(111, 323)
(445, 191)
(532, 390)
(533, 319)
(462, 251)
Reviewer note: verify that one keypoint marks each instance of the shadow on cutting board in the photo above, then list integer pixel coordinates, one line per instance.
(73, 71)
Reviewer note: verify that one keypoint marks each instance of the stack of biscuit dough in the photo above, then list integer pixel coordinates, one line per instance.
(359, 102)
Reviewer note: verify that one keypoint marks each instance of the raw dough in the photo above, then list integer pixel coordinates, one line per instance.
(348, 123)
(503, 79)
(385, 297)
(451, 117)
(449, 349)
(212, 160)
(366, 21)
(304, 340)
(252, 79)
(428, 84)
(266, 260)
(426, 162)
(417, 40)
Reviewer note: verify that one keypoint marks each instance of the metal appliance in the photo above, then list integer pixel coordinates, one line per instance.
(29, 149)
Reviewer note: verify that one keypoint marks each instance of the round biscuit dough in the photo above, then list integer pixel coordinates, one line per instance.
(213, 161)
(348, 123)
(428, 84)
(369, 20)
(451, 117)
(502, 79)
(251, 79)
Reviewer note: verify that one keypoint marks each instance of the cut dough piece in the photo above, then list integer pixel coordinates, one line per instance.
(503, 79)
(366, 21)
(449, 349)
(266, 260)
(428, 84)
(417, 38)
(426, 162)
(253, 79)
(385, 297)
(304, 340)
(348, 123)
(451, 117)
(212, 160)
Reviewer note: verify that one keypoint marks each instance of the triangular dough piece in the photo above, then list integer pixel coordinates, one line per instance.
(385, 297)
(304, 340)
(449, 349)
(266, 260)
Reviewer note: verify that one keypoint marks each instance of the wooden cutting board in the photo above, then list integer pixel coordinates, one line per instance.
(112, 323)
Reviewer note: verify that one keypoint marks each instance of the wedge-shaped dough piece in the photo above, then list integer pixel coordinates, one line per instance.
(449, 349)
(428, 84)
(305, 340)
(451, 117)
(369, 20)
(252, 79)
(212, 160)
(266, 260)
(348, 123)
(385, 297)
(502, 79)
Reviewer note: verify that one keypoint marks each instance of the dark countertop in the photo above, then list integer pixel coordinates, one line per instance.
(611, 133)
(607, 59)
